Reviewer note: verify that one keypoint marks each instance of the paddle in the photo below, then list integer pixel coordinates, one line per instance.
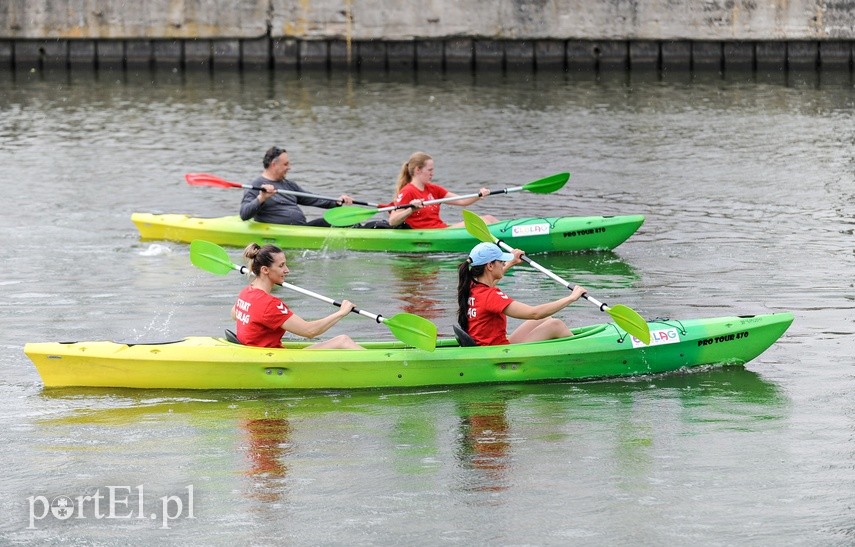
(408, 328)
(625, 317)
(348, 216)
(205, 179)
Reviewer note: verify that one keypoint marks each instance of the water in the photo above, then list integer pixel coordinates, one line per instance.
(748, 186)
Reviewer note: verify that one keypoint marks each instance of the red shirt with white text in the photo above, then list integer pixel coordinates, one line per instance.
(426, 217)
(488, 324)
(259, 318)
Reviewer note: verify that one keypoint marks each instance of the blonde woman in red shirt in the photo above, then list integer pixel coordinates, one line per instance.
(483, 308)
(415, 187)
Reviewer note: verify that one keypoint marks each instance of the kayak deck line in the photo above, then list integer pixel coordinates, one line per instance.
(594, 352)
(534, 234)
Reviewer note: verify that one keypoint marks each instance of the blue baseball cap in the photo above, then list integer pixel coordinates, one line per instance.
(484, 253)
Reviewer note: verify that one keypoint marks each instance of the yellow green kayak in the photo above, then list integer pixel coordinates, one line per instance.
(594, 352)
(535, 235)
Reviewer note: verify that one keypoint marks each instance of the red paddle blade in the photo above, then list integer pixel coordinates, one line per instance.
(205, 179)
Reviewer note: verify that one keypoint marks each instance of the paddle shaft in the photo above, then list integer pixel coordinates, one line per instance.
(205, 179)
(306, 195)
(536, 266)
(452, 198)
(378, 318)
(348, 216)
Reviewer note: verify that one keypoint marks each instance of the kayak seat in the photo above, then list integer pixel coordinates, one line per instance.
(463, 337)
(232, 337)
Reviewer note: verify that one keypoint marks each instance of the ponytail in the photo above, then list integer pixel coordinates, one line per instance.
(256, 257)
(466, 275)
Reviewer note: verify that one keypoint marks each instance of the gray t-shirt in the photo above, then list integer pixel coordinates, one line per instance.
(279, 208)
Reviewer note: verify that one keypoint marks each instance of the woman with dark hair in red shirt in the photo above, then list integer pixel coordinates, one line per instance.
(483, 309)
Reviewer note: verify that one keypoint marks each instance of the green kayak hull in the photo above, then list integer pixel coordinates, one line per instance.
(594, 352)
(534, 235)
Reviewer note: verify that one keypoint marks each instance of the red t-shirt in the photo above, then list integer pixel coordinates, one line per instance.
(426, 217)
(488, 324)
(259, 318)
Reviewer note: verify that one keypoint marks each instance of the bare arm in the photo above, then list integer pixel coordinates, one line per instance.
(518, 310)
(396, 218)
(482, 193)
(516, 260)
(313, 329)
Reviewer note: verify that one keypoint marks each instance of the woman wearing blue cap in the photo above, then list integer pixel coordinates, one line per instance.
(483, 309)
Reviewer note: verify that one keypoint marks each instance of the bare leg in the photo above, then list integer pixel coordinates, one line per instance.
(539, 329)
(341, 341)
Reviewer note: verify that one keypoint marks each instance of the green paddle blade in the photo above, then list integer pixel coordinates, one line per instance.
(210, 257)
(477, 228)
(413, 330)
(547, 185)
(348, 215)
(629, 320)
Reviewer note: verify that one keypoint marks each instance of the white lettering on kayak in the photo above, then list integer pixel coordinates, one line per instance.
(657, 338)
(526, 230)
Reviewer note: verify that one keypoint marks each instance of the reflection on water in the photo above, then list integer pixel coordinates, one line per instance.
(490, 422)
(419, 286)
(255, 457)
(701, 387)
(267, 446)
(118, 406)
(485, 444)
(416, 441)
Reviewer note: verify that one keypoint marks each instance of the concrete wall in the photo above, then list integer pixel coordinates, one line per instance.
(391, 20)
(448, 34)
(561, 19)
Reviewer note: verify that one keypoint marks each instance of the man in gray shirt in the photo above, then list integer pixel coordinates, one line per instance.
(265, 204)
